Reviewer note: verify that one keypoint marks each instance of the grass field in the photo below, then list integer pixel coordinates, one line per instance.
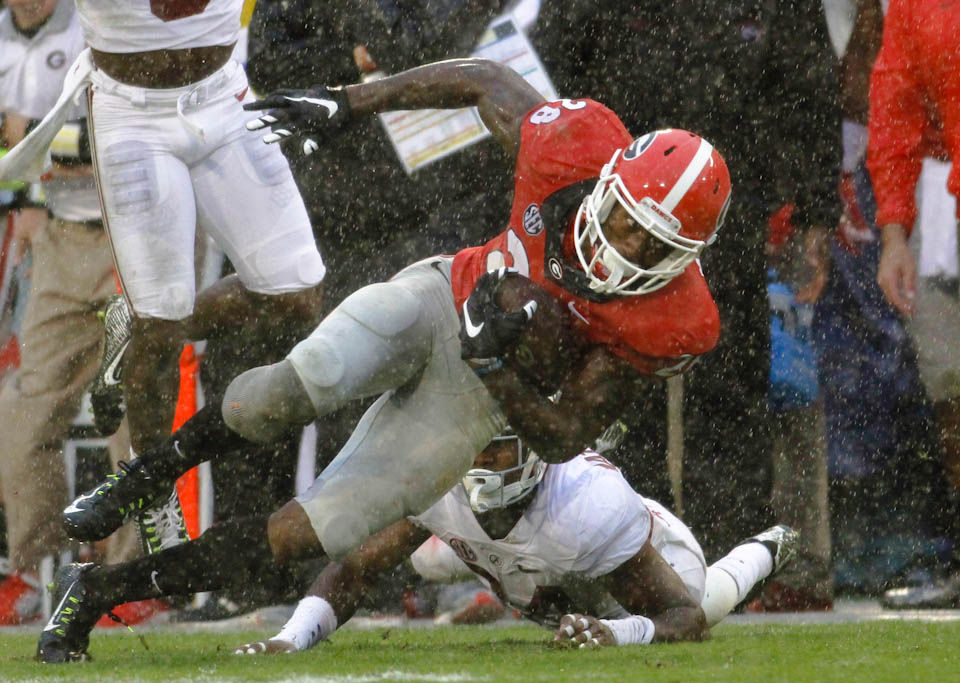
(871, 651)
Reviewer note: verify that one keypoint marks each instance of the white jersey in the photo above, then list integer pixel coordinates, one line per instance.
(583, 522)
(142, 25)
(32, 70)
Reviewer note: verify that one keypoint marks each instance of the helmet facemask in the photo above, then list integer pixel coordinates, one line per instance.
(487, 490)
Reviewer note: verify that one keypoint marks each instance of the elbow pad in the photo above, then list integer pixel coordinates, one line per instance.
(71, 144)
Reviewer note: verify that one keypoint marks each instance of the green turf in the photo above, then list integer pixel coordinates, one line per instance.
(875, 651)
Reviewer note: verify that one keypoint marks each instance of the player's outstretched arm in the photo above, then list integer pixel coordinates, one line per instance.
(334, 596)
(644, 584)
(500, 94)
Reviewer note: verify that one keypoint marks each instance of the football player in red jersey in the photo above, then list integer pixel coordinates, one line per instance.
(610, 226)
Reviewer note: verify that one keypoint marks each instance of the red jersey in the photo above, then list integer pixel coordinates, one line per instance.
(563, 147)
(914, 103)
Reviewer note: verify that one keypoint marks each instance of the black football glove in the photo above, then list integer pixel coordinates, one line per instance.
(313, 114)
(487, 331)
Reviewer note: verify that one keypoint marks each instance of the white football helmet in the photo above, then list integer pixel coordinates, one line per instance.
(486, 489)
(674, 185)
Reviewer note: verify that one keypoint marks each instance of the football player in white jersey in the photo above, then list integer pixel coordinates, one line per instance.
(172, 154)
(570, 545)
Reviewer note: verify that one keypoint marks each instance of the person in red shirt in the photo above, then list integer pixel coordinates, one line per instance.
(612, 227)
(914, 112)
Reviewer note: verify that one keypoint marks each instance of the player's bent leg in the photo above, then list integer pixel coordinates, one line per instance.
(135, 487)
(407, 451)
(735, 577)
(264, 403)
(291, 534)
(273, 318)
(379, 338)
(232, 552)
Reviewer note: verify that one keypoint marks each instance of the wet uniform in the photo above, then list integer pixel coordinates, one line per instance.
(401, 337)
(169, 160)
(582, 522)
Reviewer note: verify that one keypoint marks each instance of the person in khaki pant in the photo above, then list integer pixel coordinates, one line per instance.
(61, 335)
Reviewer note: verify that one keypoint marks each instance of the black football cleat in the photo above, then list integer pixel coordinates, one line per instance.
(122, 497)
(66, 636)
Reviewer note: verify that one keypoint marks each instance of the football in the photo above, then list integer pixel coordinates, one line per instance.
(548, 348)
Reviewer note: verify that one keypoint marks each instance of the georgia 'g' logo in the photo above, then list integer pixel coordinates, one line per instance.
(532, 220)
(556, 268)
(639, 146)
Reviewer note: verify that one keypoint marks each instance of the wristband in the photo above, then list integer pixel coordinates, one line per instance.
(634, 630)
(312, 621)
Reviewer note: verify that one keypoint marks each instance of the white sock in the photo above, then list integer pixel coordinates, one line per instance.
(312, 621)
(730, 578)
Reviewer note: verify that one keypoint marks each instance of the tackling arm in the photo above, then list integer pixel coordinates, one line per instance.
(644, 584)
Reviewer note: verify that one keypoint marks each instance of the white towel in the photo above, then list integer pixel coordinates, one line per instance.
(30, 159)
(936, 222)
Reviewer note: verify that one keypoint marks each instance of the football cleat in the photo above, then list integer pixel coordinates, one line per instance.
(66, 636)
(781, 541)
(162, 526)
(122, 497)
(106, 394)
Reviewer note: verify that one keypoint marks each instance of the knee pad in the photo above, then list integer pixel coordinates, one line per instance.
(264, 403)
(374, 341)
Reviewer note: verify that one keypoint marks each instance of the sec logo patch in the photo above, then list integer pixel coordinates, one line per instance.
(532, 220)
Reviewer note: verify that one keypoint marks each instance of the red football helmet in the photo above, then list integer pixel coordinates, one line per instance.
(676, 186)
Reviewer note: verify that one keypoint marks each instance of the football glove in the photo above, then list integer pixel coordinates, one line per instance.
(314, 114)
(487, 331)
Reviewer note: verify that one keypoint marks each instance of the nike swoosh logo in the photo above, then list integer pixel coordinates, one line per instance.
(153, 577)
(52, 624)
(72, 507)
(472, 330)
(330, 105)
(241, 94)
(573, 309)
(112, 375)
